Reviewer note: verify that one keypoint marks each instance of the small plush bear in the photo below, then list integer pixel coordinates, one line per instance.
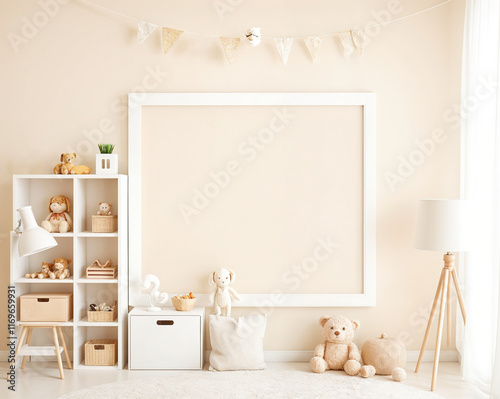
(61, 269)
(104, 208)
(46, 270)
(338, 351)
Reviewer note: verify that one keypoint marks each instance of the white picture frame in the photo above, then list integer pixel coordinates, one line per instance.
(136, 101)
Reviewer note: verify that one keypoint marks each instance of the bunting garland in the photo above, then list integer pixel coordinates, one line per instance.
(312, 44)
(144, 30)
(170, 36)
(352, 41)
(284, 45)
(229, 45)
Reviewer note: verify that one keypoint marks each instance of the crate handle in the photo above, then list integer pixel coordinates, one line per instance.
(42, 299)
(165, 322)
(99, 347)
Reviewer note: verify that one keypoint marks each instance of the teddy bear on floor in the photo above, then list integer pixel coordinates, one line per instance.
(104, 208)
(61, 269)
(58, 220)
(338, 352)
(45, 273)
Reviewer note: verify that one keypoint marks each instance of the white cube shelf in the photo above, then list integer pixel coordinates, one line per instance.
(82, 247)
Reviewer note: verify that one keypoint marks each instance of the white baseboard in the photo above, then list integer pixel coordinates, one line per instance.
(305, 356)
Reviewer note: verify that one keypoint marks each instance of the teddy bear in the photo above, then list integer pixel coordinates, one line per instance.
(61, 269)
(221, 297)
(338, 351)
(58, 220)
(104, 208)
(66, 166)
(46, 270)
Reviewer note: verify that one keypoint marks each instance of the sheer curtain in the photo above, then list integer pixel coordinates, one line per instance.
(481, 185)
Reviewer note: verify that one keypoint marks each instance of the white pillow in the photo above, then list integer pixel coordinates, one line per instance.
(237, 344)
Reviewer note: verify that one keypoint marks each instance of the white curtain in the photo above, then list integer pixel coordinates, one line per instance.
(481, 185)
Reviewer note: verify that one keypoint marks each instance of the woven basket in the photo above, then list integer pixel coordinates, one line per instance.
(101, 352)
(101, 316)
(183, 304)
(104, 224)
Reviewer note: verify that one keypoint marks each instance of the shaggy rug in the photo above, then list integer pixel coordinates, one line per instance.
(268, 384)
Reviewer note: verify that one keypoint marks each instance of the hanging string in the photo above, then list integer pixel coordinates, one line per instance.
(270, 37)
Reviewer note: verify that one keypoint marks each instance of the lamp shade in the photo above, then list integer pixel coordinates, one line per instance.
(442, 225)
(33, 239)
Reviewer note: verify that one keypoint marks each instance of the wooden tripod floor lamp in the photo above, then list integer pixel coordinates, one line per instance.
(441, 226)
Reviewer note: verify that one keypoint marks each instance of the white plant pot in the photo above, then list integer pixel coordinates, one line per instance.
(106, 164)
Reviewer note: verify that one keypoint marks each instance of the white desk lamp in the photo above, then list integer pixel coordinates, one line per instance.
(442, 226)
(33, 238)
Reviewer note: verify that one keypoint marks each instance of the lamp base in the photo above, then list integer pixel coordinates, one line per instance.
(443, 295)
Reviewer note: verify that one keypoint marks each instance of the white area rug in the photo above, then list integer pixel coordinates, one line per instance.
(267, 384)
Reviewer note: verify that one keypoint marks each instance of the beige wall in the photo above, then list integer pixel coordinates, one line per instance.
(65, 88)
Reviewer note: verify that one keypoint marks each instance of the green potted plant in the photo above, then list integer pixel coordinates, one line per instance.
(106, 163)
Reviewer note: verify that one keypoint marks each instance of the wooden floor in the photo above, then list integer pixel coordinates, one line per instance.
(40, 379)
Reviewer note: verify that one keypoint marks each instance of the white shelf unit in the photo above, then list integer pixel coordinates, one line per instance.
(82, 247)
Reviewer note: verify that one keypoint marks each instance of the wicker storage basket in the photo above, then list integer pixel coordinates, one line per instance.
(101, 352)
(104, 224)
(102, 316)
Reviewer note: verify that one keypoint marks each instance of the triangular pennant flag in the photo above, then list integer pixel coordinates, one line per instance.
(358, 38)
(170, 36)
(144, 30)
(312, 44)
(230, 44)
(283, 44)
(352, 41)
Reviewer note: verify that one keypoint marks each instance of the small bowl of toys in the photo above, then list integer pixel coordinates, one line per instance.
(184, 302)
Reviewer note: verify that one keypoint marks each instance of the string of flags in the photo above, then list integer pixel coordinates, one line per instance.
(352, 41)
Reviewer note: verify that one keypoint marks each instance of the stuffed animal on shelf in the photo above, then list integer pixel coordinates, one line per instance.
(61, 269)
(46, 269)
(383, 356)
(338, 352)
(104, 208)
(66, 166)
(58, 220)
(221, 297)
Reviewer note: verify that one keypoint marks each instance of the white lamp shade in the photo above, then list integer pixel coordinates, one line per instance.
(33, 239)
(442, 225)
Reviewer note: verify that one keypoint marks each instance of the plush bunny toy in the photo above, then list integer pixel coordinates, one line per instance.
(221, 297)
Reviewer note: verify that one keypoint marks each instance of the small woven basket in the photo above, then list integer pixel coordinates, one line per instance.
(183, 304)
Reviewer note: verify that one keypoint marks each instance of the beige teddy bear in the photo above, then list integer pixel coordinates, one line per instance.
(46, 270)
(61, 269)
(338, 351)
(104, 208)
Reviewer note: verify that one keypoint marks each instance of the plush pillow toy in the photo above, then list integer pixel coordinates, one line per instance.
(58, 221)
(221, 297)
(237, 344)
(46, 269)
(104, 208)
(382, 356)
(61, 269)
(338, 351)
